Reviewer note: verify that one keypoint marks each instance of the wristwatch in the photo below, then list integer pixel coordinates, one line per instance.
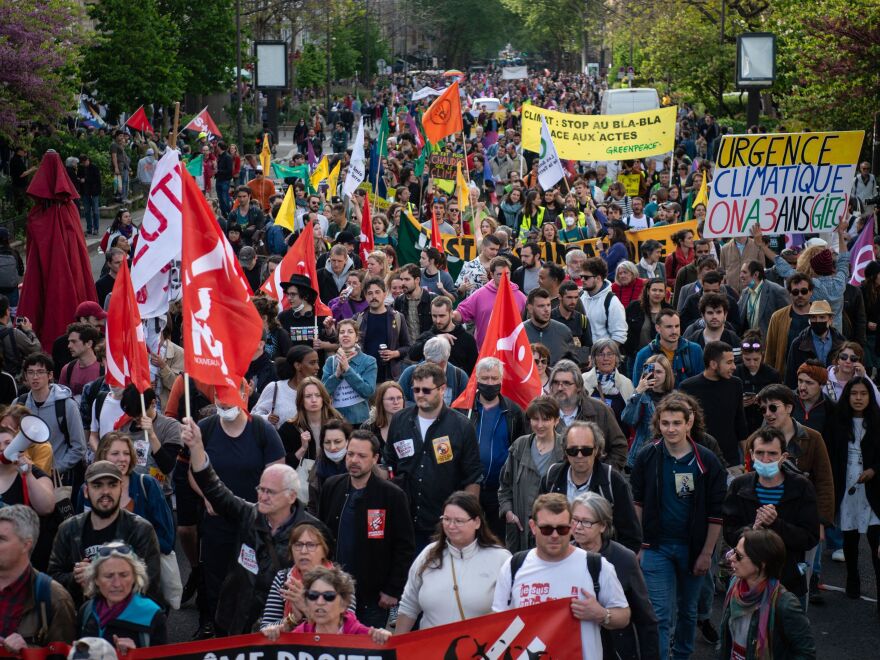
(607, 619)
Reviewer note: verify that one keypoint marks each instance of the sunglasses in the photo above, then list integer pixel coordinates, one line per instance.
(771, 407)
(848, 358)
(583, 451)
(328, 596)
(753, 346)
(423, 390)
(547, 530)
(107, 550)
(799, 292)
(735, 554)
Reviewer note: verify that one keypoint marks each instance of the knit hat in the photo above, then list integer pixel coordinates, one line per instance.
(823, 262)
(814, 371)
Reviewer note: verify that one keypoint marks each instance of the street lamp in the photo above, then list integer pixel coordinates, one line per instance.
(755, 68)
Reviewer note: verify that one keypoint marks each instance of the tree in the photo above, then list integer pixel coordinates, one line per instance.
(311, 70)
(40, 48)
(134, 59)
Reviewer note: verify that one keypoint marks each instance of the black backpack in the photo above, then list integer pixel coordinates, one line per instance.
(11, 354)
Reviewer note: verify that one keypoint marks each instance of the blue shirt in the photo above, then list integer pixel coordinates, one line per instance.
(678, 484)
(770, 495)
(494, 446)
(822, 346)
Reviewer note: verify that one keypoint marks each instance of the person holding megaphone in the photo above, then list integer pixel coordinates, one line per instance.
(21, 482)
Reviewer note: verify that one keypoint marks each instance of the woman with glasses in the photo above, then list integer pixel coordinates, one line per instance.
(656, 381)
(592, 530)
(627, 285)
(529, 458)
(761, 619)
(604, 381)
(846, 364)
(755, 376)
(117, 610)
(389, 399)
(285, 605)
(855, 463)
(542, 361)
(453, 578)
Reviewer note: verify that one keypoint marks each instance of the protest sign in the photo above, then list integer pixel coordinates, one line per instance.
(631, 183)
(601, 137)
(444, 164)
(786, 182)
(514, 72)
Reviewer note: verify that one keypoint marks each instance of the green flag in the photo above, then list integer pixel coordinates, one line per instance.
(301, 172)
(419, 165)
(194, 166)
(412, 238)
(382, 138)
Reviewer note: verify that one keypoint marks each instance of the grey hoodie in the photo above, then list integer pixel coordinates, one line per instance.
(340, 279)
(65, 456)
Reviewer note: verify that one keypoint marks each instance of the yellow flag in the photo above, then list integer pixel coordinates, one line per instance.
(703, 194)
(462, 192)
(266, 157)
(287, 210)
(322, 171)
(333, 178)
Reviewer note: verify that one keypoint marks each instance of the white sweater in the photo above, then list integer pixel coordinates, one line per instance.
(285, 402)
(432, 595)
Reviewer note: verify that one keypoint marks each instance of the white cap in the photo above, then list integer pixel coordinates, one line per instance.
(816, 242)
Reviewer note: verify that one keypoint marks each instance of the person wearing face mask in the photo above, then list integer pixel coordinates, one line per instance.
(819, 341)
(778, 498)
(331, 459)
(497, 421)
(759, 298)
(574, 226)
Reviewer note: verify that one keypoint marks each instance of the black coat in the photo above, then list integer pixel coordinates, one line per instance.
(463, 354)
(384, 536)
(635, 317)
(802, 349)
(89, 178)
(797, 521)
(513, 415)
(424, 308)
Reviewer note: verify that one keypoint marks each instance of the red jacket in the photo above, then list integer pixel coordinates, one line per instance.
(630, 292)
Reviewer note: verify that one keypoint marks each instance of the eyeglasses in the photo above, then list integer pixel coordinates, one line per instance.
(848, 357)
(751, 346)
(454, 522)
(540, 360)
(269, 491)
(771, 407)
(799, 292)
(583, 451)
(328, 596)
(547, 530)
(33, 373)
(305, 547)
(580, 522)
(562, 383)
(735, 554)
(424, 390)
(392, 399)
(110, 548)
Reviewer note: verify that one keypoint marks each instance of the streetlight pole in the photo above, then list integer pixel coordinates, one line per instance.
(327, 6)
(239, 131)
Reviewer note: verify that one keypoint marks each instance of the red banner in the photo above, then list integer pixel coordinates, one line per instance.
(547, 630)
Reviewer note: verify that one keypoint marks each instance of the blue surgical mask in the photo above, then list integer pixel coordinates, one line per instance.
(766, 470)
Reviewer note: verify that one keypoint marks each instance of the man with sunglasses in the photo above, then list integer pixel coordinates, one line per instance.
(80, 538)
(556, 569)
(789, 321)
(583, 470)
(678, 489)
(432, 451)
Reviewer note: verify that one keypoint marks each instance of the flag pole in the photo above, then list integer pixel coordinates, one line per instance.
(186, 400)
(144, 413)
(174, 146)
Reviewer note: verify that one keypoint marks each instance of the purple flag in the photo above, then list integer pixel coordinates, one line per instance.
(862, 253)
(313, 159)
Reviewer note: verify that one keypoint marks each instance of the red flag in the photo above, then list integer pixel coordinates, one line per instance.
(138, 121)
(127, 357)
(506, 340)
(367, 243)
(444, 116)
(221, 327)
(203, 123)
(299, 260)
(436, 240)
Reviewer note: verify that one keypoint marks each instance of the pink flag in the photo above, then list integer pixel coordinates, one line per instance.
(862, 253)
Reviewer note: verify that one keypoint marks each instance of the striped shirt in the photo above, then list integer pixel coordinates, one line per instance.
(770, 495)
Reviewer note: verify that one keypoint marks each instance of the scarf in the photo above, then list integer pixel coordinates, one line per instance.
(107, 613)
(743, 601)
(606, 384)
(295, 575)
(682, 259)
(650, 269)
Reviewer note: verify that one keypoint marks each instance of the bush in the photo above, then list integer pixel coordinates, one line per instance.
(95, 147)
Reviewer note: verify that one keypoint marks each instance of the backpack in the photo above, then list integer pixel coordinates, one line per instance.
(60, 415)
(43, 603)
(9, 277)
(11, 354)
(594, 566)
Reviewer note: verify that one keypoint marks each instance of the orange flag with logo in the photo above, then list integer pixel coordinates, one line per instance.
(444, 116)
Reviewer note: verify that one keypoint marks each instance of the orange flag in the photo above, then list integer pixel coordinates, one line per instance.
(221, 326)
(444, 116)
(506, 340)
(299, 260)
(127, 357)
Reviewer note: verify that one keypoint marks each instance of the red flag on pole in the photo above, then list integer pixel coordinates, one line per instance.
(202, 122)
(139, 122)
(221, 326)
(299, 260)
(444, 116)
(367, 243)
(436, 240)
(127, 358)
(506, 340)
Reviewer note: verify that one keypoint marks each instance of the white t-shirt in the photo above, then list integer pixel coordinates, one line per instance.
(111, 411)
(538, 581)
(424, 425)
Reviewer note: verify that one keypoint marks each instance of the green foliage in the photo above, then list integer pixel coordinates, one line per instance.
(95, 147)
(134, 59)
(469, 30)
(311, 68)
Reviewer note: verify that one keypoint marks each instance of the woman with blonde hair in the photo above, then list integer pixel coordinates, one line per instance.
(377, 264)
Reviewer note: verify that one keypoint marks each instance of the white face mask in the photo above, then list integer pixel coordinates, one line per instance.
(569, 220)
(228, 414)
(336, 456)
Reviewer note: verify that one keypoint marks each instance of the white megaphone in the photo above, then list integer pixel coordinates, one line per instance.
(32, 430)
